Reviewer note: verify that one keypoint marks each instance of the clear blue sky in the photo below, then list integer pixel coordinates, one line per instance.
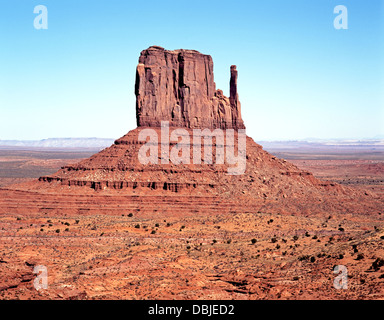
(299, 77)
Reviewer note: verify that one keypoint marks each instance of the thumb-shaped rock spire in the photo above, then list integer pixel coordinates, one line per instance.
(233, 96)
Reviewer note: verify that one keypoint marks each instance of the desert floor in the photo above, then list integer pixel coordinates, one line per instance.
(162, 249)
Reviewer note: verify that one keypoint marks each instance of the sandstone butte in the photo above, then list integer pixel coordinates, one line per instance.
(178, 86)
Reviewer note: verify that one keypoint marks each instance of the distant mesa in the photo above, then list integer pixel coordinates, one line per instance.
(67, 143)
(178, 86)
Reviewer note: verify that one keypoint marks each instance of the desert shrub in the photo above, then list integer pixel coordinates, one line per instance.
(153, 232)
(377, 264)
(130, 215)
(360, 256)
(295, 238)
(57, 230)
(303, 257)
(137, 226)
(253, 241)
(157, 225)
(273, 240)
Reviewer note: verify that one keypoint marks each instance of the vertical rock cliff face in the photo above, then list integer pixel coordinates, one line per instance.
(178, 86)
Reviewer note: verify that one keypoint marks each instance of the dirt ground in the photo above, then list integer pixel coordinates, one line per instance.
(159, 247)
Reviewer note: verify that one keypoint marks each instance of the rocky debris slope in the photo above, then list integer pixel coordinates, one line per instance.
(268, 183)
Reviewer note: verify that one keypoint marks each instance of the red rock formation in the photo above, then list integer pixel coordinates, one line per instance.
(183, 79)
(178, 86)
